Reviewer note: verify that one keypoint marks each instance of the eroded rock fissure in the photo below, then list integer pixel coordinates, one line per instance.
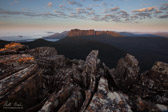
(44, 81)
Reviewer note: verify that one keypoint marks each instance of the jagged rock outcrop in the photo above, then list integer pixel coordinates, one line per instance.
(42, 80)
(53, 66)
(126, 72)
(77, 33)
(153, 84)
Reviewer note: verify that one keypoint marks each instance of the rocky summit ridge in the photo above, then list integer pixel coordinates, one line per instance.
(41, 80)
(78, 33)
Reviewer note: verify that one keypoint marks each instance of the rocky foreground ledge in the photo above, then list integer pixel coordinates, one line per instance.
(41, 80)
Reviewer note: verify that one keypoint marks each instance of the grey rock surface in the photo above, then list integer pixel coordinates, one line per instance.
(44, 81)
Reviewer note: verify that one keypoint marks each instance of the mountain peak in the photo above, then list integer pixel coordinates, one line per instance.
(91, 32)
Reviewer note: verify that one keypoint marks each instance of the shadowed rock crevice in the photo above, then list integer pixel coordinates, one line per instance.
(42, 80)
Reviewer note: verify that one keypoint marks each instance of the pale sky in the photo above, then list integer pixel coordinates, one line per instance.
(60, 15)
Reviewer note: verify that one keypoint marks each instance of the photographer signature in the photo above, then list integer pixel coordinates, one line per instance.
(12, 105)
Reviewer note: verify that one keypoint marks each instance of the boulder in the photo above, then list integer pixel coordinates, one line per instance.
(126, 72)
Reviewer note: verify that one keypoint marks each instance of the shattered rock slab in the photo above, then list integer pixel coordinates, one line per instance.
(8, 83)
(10, 64)
(126, 72)
(106, 101)
(23, 86)
(43, 52)
(56, 100)
(16, 59)
(68, 99)
(73, 103)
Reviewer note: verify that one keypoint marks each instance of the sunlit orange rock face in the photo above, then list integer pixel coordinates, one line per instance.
(2, 49)
(16, 58)
(26, 59)
(13, 48)
(77, 32)
(12, 45)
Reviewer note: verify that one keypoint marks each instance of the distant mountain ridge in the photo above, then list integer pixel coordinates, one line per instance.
(163, 34)
(93, 33)
(131, 34)
(83, 33)
(78, 32)
(57, 35)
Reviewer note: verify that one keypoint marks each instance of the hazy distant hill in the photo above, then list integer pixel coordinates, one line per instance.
(163, 34)
(57, 35)
(130, 34)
